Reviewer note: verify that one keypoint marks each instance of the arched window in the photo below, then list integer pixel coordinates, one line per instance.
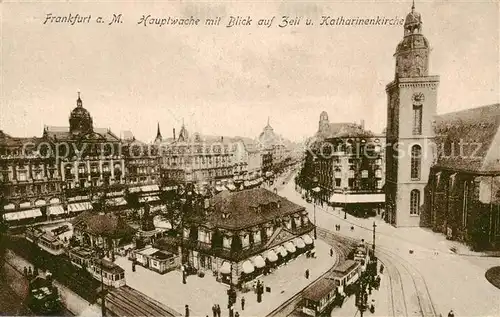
(414, 202)
(417, 120)
(464, 210)
(416, 158)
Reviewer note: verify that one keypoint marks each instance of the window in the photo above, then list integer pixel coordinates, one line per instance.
(414, 202)
(416, 153)
(378, 173)
(417, 119)
(464, 211)
(351, 174)
(364, 174)
(337, 182)
(379, 184)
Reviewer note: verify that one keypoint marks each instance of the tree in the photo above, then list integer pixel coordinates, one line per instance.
(147, 219)
(132, 199)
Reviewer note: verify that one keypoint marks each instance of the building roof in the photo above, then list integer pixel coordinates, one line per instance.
(8, 140)
(343, 130)
(236, 210)
(468, 140)
(108, 225)
(63, 133)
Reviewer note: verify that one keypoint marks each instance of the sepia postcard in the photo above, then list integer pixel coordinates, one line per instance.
(245, 158)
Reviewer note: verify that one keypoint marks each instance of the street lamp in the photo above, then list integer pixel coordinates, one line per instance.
(316, 189)
(344, 190)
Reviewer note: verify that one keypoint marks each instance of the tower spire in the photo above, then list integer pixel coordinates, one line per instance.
(158, 133)
(268, 120)
(413, 6)
(79, 101)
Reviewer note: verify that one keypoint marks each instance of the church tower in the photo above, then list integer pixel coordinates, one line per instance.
(411, 106)
(323, 122)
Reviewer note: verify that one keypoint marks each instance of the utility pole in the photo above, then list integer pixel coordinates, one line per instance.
(373, 245)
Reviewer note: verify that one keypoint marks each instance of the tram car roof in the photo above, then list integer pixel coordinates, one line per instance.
(345, 267)
(320, 289)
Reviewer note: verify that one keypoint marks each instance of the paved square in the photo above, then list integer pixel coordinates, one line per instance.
(201, 293)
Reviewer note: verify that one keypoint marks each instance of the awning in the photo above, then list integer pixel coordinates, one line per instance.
(281, 250)
(148, 199)
(150, 188)
(259, 262)
(77, 207)
(167, 188)
(56, 210)
(25, 214)
(219, 188)
(357, 198)
(135, 189)
(299, 243)
(247, 184)
(119, 201)
(248, 267)
(231, 187)
(11, 216)
(225, 268)
(271, 256)
(307, 239)
(290, 247)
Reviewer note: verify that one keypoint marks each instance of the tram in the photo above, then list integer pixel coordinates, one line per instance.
(45, 240)
(321, 297)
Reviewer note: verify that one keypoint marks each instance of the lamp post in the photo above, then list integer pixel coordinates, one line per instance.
(316, 189)
(373, 245)
(345, 202)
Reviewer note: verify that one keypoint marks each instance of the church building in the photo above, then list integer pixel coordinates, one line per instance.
(411, 107)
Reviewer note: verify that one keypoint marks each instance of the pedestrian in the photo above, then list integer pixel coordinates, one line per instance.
(331, 252)
(352, 228)
(243, 303)
(25, 271)
(307, 274)
(231, 311)
(186, 308)
(237, 314)
(381, 269)
(218, 310)
(214, 310)
(451, 313)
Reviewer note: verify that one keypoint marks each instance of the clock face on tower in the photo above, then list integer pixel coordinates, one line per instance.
(418, 98)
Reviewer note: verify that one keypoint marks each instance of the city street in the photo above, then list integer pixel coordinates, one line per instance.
(201, 293)
(432, 267)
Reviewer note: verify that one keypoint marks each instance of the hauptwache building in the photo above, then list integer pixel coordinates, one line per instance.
(243, 234)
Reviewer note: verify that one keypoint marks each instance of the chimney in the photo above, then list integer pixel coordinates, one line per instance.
(221, 139)
(174, 133)
(362, 124)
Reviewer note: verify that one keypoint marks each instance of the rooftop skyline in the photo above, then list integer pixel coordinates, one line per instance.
(228, 81)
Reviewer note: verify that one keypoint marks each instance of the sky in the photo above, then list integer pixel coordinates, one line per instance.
(228, 81)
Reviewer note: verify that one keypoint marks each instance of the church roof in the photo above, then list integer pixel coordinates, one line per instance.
(469, 140)
(240, 207)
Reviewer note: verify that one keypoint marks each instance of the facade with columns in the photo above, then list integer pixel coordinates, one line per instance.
(65, 170)
(411, 106)
(30, 185)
